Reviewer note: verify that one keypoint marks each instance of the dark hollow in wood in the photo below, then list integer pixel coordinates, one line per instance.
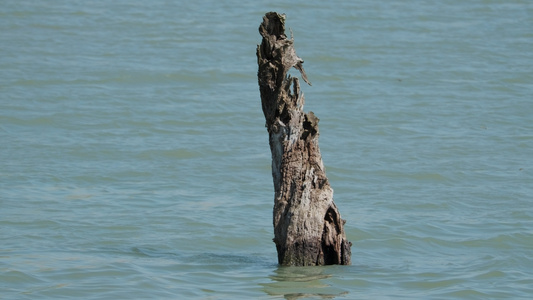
(308, 229)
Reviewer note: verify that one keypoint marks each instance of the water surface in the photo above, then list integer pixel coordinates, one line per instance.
(134, 161)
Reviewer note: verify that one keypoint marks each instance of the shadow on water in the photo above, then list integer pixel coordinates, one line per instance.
(224, 273)
(301, 283)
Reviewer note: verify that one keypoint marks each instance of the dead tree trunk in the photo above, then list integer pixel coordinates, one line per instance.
(308, 229)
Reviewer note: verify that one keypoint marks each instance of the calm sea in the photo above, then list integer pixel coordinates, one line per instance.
(134, 162)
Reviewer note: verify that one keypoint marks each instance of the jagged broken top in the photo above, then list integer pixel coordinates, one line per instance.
(273, 32)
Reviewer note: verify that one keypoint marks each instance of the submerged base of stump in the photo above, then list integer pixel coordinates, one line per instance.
(308, 229)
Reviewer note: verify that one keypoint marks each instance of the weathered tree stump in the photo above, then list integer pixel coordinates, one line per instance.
(308, 229)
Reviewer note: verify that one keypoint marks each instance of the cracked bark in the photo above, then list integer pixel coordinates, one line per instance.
(308, 229)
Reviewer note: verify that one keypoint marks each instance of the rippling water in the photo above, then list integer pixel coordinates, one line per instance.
(134, 161)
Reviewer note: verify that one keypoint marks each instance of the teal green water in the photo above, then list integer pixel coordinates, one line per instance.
(134, 162)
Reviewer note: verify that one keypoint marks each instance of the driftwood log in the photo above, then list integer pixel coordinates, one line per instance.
(308, 229)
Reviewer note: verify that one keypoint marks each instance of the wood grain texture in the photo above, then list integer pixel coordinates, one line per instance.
(308, 229)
